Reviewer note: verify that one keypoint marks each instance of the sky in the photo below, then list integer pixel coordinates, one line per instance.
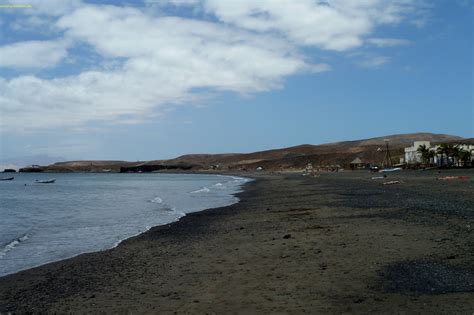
(153, 79)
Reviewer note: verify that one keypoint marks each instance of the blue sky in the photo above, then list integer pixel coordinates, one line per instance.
(156, 79)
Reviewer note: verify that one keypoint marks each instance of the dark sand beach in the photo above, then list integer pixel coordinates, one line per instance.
(338, 243)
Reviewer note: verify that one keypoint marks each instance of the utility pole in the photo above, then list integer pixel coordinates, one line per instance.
(387, 161)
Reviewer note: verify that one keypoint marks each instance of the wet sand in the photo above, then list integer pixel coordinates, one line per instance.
(337, 243)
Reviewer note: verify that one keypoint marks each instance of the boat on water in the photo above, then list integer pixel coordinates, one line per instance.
(7, 178)
(45, 181)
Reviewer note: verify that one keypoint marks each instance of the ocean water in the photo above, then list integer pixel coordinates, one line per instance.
(41, 223)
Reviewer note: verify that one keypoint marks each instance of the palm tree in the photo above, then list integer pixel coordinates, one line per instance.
(465, 157)
(455, 151)
(431, 155)
(445, 150)
(425, 153)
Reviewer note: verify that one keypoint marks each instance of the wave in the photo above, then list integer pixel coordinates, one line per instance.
(237, 179)
(202, 190)
(220, 186)
(180, 214)
(156, 200)
(12, 245)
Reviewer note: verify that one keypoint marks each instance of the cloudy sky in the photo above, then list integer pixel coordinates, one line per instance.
(157, 78)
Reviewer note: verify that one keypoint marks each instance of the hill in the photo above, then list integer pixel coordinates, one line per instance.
(297, 157)
(339, 153)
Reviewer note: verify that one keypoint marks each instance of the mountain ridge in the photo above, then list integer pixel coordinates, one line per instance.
(370, 150)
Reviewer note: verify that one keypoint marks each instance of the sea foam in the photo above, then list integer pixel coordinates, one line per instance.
(156, 200)
(12, 245)
(202, 190)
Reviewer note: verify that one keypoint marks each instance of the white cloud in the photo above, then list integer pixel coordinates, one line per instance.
(33, 54)
(308, 23)
(388, 42)
(173, 2)
(164, 60)
(33, 23)
(333, 24)
(159, 61)
(373, 61)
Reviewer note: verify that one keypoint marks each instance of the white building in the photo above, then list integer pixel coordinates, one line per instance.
(441, 160)
(412, 156)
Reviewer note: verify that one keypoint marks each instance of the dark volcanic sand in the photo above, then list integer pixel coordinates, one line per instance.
(333, 244)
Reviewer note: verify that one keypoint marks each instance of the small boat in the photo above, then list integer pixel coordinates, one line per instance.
(392, 169)
(7, 178)
(45, 181)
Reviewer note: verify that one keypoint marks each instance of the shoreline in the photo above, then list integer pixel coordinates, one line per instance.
(146, 228)
(291, 244)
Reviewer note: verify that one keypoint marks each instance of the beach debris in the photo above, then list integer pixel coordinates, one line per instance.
(392, 182)
(452, 177)
(287, 236)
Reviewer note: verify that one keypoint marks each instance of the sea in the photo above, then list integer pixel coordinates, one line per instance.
(87, 212)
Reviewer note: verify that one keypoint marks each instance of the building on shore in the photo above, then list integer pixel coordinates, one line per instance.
(413, 156)
(357, 164)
